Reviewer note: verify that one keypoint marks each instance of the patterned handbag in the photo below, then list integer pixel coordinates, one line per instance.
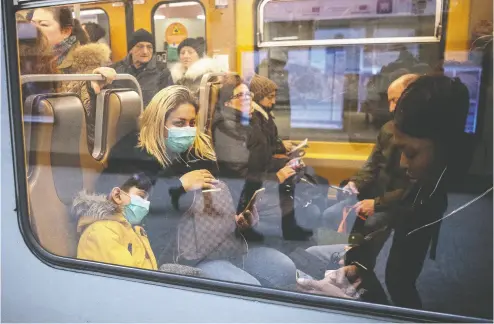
(207, 228)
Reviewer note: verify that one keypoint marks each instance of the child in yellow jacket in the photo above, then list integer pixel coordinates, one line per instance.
(109, 225)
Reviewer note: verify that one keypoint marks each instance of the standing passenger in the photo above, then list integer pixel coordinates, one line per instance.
(95, 32)
(73, 56)
(142, 63)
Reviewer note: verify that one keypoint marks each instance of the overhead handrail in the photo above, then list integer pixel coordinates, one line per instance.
(77, 77)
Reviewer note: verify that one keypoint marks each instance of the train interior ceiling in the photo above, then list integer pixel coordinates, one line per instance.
(327, 63)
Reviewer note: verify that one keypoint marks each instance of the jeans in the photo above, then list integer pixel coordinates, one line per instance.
(260, 266)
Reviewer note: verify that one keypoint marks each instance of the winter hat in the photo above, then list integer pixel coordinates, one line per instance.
(196, 43)
(261, 87)
(138, 36)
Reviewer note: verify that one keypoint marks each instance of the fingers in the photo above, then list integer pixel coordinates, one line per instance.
(207, 185)
(309, 284)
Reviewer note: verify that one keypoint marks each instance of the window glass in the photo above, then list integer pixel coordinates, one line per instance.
(174, 22)
(307, 20)
(389, 201)
(99, 17)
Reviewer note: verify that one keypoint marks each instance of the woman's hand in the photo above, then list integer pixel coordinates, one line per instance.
(336, 283)
(288, 145)
(365, 207)
(108, 73)
(244, 220)
(285, 173)
(351, 188)
(199, 179)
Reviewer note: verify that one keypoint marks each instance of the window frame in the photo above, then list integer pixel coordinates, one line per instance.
(436, 38)
(289, 298)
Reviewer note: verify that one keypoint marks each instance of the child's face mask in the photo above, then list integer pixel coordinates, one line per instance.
(180, 138)
(136, 210)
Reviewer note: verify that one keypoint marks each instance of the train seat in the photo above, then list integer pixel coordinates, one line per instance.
(117, 114)
(57, 127)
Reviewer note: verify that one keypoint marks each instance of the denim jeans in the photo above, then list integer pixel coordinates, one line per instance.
(260, 266)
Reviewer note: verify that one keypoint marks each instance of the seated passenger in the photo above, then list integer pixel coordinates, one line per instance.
(74, 55)
(109, 226)
(264, 95)
(195, 220)
(244, 151)
(193, 64)
(380, 182)
(142, 63)
(436, 152)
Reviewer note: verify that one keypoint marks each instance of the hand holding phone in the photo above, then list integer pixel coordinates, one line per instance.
(253, 200)
(300, 146)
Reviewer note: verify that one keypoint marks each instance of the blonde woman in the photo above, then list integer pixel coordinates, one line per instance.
(193, 220)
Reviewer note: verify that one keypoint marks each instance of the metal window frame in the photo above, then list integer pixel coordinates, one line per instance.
(436, 38)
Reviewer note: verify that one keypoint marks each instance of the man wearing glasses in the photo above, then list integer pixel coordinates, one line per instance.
(142, 63)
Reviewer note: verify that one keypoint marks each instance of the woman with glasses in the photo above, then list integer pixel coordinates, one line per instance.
(244, 152)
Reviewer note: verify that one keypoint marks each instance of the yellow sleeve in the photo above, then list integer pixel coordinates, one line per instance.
(100, 243)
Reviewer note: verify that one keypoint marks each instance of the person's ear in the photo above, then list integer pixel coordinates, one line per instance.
(116, 196)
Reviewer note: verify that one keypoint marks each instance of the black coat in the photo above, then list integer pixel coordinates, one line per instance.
(243, 151)
(152, 77)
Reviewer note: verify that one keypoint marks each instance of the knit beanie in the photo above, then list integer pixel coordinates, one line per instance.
(196, 43)
(261, 87)
(138, 36)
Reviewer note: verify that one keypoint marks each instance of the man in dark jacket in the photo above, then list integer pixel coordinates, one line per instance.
(380, 182)
(141, 62)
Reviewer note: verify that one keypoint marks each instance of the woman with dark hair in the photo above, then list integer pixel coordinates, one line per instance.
(35, 57)
(244, 148)
(429, 125)
(68, 41)
(94, 31)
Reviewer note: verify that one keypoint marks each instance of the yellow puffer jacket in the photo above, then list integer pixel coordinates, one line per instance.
(106, 236)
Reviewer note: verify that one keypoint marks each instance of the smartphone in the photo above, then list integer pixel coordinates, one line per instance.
(301, 145)
(252, 200)
(295, 163)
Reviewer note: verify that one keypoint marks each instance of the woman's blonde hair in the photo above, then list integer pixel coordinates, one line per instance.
(152, 124)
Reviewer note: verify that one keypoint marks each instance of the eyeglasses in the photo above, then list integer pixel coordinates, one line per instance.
(243, 95)
(141, 47)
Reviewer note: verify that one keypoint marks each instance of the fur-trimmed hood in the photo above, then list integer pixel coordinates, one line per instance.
(88, 208)
(196, 71)
(86, 58)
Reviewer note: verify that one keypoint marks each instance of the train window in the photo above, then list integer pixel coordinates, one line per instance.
(174, 22)
(145, 178)
(97, 19)
(306, 22)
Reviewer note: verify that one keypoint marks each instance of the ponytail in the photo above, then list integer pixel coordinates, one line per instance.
(79, 32)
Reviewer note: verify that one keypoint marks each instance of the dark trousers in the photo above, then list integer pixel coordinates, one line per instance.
(405, 261)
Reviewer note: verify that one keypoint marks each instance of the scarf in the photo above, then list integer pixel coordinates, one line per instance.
(62, 49)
